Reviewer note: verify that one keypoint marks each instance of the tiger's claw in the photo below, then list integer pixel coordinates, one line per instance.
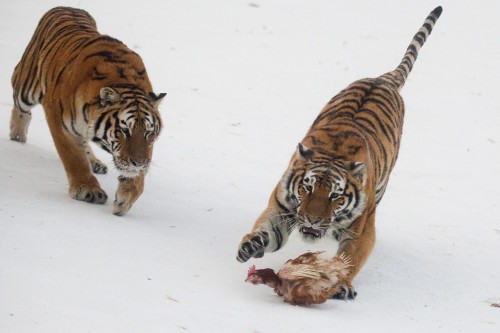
(91, 194)
(345, 293)
(253, 247)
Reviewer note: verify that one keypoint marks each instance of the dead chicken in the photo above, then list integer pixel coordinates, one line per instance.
(308, 279)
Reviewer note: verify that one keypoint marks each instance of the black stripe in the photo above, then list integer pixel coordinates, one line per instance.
(108, 56)
(296, 183)
(386, 130)
(25, 100)
(419, 40)
(127, 86)
(97, 76)
(103, 146)
(100, 39)
(386, 95)
(85, 111)
(99, 121)
(278, 237)
(290, 179)
(73, 121)
(121, 72)
(280, 205)
(437, 11)
(387, 110)
(61, 111)
(412, 48)
(107, 126)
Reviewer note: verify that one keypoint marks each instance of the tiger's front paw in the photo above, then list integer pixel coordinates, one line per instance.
(91, 194)
(98, 167)
(253, 246)
(122, 204)
(129, 189)
(345, 293)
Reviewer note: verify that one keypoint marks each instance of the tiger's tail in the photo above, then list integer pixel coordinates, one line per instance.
(400, 74)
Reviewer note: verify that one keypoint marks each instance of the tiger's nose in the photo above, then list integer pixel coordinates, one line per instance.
(314, 219)
(138, 161)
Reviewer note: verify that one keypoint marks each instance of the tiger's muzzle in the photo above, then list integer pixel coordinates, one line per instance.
(312, 227)
(131, 167)
(309, 231)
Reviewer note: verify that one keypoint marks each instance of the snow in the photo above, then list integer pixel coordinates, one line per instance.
(245, 79)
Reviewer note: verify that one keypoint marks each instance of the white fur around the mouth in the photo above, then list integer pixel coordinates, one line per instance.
(129, 174)
(127, 170)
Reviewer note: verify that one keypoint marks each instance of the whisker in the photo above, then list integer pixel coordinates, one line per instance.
(283, 215)
(291, 222)
(347, 233)
(287, 221)
(157, 165)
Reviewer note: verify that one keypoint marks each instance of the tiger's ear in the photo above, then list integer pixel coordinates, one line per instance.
(303, 153)
(358, 171)
(156, 99)
(109, 96)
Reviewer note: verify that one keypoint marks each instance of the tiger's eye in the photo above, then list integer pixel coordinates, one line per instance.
(334, 195)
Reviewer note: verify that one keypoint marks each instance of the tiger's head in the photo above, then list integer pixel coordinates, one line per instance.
(324, 193)
(126, 125)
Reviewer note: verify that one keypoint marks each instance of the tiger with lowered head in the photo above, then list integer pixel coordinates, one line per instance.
(340, 170)
(92, 88)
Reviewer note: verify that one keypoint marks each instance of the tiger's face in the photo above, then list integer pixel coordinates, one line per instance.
(326, 195)
(135, 151)
(127, 127)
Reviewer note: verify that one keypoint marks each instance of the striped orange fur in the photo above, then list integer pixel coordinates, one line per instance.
(340, 170)
(92, 88)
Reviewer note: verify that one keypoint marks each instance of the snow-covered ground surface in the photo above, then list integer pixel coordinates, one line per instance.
(245, 79)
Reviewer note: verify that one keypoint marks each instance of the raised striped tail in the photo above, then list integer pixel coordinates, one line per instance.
(400, 74)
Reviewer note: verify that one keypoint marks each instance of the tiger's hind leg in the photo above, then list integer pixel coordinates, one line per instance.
(27, 93)
(19, 123)
(97, 166)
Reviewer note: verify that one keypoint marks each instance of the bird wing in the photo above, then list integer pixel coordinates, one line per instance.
(298, 271)
(306, 258)
(334, 267)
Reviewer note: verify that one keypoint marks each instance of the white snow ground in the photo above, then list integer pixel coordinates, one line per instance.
(245, 79)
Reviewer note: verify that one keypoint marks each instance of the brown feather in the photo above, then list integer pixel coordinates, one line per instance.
(307, 279)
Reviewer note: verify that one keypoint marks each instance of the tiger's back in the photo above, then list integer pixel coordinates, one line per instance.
(363, 120)
(67, 38)
(60, 35)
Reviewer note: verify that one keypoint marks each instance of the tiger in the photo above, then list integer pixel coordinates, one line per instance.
(339, 172)
(92, 88)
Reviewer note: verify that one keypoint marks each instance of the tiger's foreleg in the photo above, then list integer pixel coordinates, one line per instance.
(129, 189)
(269, 234)
(83, 185)
(97, 166)
(357, 247)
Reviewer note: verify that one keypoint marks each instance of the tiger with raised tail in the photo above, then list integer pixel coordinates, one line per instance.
(92, 88)
(340, 170)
